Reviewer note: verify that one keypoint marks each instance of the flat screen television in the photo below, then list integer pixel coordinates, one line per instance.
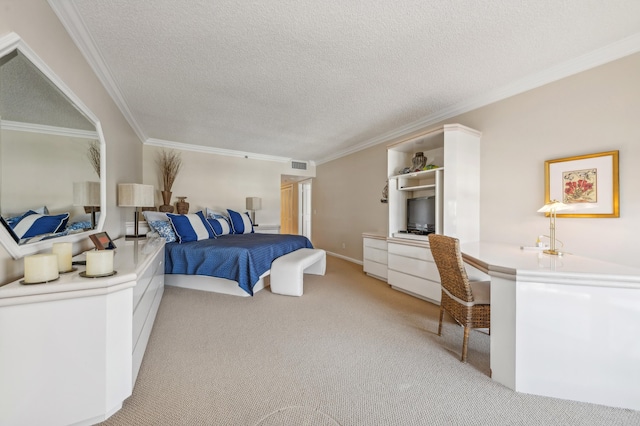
(421, 215)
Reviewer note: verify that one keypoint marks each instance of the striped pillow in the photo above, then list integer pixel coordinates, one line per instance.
(220, 226)
(191, 227)
(240, 222)
(32, 224)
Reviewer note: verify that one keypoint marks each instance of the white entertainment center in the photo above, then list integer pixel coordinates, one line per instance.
(404, 259)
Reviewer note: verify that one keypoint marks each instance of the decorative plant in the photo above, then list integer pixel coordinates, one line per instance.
(93, 154)
(170, 163)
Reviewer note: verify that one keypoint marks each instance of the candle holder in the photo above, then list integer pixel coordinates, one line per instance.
(38, 282)
(84, 274)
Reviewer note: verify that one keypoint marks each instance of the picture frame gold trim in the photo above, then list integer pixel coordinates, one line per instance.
(607, 185)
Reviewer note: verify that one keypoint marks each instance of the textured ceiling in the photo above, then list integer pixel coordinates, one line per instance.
(310, 80)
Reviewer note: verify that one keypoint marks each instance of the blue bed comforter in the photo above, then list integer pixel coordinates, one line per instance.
(242, 257)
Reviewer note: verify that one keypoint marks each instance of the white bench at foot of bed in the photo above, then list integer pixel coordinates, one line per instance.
(212, 284)
(287, 271)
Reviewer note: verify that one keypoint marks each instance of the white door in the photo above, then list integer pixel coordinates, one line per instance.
(304, 189)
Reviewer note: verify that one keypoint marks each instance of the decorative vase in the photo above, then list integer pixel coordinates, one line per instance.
(182, 206)
(419, 161)
(385, 193)
(166, 200)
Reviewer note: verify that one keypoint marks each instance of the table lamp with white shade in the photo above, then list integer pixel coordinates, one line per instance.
(253, 204)
(87, 194)
(135, 195)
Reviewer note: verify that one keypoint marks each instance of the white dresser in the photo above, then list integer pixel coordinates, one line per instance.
(412, 269)
(374, 255)
(70, 350)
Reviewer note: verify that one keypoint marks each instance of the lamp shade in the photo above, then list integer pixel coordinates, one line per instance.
(135, 195)
(86, 193)
(553, 205)
(254, 203)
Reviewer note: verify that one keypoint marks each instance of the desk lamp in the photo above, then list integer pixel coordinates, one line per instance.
(550, 208)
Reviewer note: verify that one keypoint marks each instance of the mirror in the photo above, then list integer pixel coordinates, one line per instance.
(51, 153)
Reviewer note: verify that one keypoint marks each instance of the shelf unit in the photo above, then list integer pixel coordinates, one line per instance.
(455, 184)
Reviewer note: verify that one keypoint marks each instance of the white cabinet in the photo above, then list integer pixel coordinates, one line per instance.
(413, 270)
(455, 184)
(71, 348)
(454, 152)
(374, 253)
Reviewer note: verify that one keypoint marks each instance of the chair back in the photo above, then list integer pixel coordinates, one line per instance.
(453, 276)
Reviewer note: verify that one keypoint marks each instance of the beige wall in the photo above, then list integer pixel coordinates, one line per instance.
(222, 182)
(37, 170)
(346, 201)
(590, 112)
(39, 27)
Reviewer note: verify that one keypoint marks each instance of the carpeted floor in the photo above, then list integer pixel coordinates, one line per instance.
(350, 351)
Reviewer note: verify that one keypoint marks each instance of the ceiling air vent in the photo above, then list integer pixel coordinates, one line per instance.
(300, 165)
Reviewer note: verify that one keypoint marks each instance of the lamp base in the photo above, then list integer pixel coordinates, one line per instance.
(553, 252)
(134, 237)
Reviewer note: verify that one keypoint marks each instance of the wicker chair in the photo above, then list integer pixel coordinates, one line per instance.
(468, 302)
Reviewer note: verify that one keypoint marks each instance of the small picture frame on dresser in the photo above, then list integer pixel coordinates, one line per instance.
(102, 241)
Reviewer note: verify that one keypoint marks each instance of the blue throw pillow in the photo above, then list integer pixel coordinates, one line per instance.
(240, 222)
(32, 224)
(77, 226)
(191, 227)
(220, 226)
(164, 229)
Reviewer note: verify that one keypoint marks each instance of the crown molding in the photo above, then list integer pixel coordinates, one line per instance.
(47, 130)
(75, 26)
(609, 53)
(211, 150)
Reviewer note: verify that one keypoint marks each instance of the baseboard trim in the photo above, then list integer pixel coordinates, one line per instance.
(348, 259)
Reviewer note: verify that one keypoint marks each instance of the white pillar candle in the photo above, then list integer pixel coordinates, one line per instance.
(99, 262)
(64, 252)
(40, 268)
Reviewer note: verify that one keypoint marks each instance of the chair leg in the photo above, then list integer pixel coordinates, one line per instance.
(464, 344)
(440, 323)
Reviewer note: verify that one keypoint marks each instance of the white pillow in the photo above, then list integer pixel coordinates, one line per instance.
(151, 216)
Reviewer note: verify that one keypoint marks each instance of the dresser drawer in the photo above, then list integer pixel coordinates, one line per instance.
(374, 254)
(156, 267)
(141, 313)
(375, 243)
(416, 267)
(418, 286)
(376, 269)
(416, 252)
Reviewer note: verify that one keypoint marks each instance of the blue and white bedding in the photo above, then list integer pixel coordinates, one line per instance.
(237, 257)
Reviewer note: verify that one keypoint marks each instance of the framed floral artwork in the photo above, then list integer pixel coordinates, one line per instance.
(588, 184)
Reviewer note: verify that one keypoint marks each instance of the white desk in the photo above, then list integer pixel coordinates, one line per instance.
(565, 327)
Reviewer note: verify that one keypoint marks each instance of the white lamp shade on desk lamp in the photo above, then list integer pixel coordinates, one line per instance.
(135, 195)
(552, 207)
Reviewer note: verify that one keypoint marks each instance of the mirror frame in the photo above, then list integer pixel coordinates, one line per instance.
(9, 43)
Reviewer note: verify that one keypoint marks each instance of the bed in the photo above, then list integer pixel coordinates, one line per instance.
(234, 264)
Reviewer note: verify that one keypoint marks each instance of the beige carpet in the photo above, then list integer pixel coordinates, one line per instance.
(350, 351)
